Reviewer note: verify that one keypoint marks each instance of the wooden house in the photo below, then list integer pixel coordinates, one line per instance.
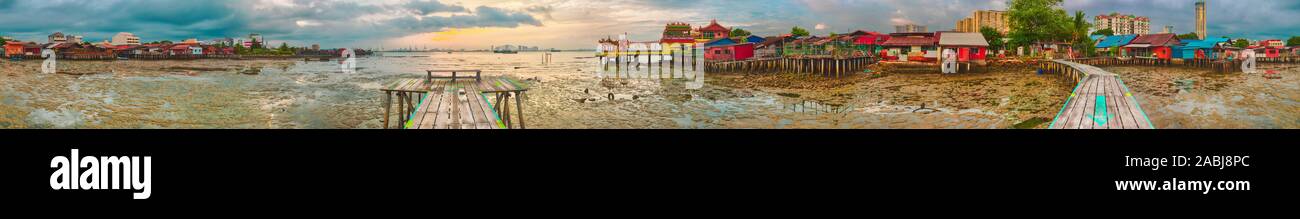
(870, 43)
(726, 49)
(1113, 45)
(911, 47)
(970, 47)
(771, 47)
(1198, 49)
(1154, 45)
(179, 49)
(13, 48)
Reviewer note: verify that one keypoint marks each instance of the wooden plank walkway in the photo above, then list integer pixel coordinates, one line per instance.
(1100, 101)
(456, 104)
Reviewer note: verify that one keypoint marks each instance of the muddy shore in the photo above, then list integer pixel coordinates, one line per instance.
(996, 97)
(130, 94)
(569, 94)
(1194, 98)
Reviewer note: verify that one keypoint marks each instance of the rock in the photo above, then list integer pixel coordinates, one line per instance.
(586, 91)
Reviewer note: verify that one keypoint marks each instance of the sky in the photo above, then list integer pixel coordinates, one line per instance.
(563, 24)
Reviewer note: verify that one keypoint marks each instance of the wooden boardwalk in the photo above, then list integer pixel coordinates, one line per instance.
(455, 104)
(1099, 101)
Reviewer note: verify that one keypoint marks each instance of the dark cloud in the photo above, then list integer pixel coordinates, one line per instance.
(426, 7)
(340, 23)
(6, 4)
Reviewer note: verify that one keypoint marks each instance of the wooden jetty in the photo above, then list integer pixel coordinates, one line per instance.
(823, 66)
(1099, 101)
(445, 103)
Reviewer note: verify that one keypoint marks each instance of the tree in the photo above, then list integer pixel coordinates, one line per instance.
(1189, 36)
(993, 36)
(739, 32)
(1079, 28)
(284, 47)
(1241, 43)
(1294, 41)
(1037, 20)
(798, 32)
(239, 49)
(1104, 32)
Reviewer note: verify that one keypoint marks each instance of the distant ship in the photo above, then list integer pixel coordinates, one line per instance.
(503, 50)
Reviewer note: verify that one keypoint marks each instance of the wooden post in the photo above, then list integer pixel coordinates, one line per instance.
(519, 104)
(388, 99)
(401, 116)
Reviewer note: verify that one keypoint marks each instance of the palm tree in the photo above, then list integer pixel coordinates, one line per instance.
(1080, 26)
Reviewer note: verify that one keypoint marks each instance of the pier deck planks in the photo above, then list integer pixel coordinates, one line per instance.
(443, 107)
(1122, 110)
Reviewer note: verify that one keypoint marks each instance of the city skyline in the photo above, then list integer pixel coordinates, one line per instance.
(563, 24)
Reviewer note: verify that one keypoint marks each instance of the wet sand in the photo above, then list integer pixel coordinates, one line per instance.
(1200, 99)
(995, 98)
(131, 94)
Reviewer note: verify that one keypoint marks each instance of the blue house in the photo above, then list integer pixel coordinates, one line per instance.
(755, 39)
(720, 42)
(1115, 42)
(1189, 48)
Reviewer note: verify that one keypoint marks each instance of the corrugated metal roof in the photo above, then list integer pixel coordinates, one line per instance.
(1164, 39)
(1203, 44)
(1115, 41)
(963, 39)
(720, 42)
(910, 41)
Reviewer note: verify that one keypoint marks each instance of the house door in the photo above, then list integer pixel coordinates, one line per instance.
(963, 54)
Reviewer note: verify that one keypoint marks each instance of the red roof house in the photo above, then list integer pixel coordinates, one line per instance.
(916, 46)
(13, 48)
(179, 49)
(1154, 45)
(726, 49)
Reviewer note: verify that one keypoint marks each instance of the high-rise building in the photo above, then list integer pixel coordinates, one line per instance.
(1200, 19)
(1168, 29)
(125, 38)
(58, 37)
(982, 18)
(1123, 24)
(910, 28)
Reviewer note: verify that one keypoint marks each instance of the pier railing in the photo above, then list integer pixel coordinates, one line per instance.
(1221, 66)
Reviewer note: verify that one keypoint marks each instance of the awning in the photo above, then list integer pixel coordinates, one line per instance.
(1137, 46)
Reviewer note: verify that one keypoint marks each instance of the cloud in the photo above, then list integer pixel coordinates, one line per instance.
(301, 21)
(565, 23)
(426, 7)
